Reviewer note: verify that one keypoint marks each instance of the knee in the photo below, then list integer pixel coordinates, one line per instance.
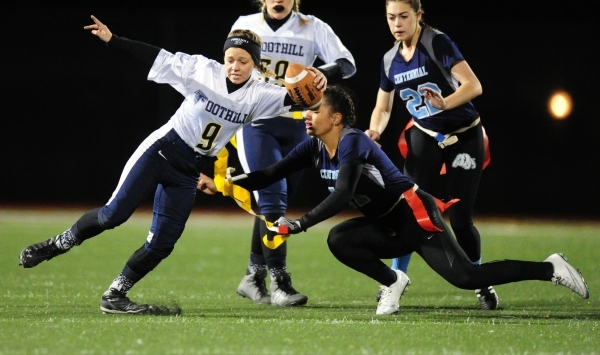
(465, 279)
(461, 281)
(109, 218)
(334, 240)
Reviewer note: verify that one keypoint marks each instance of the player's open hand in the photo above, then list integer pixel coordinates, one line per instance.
(320, 81)
(207, 185)
(99, 29)
(435, 98)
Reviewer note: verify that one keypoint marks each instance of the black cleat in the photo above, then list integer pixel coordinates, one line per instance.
(488, 299)
(116, 302)
(36, 253)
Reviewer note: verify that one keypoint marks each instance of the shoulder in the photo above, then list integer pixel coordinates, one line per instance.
(266, 93)
(433, 35)
(311, 20)
(390, 54)
(353, 137)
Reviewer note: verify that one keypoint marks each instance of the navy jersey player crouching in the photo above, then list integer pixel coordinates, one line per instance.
(219, 100)
(399, 217)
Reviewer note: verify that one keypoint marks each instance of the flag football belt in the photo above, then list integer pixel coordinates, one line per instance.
(243, 198)
(419, 210)
(445, 140)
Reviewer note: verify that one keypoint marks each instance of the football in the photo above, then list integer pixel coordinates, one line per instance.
(299, 84)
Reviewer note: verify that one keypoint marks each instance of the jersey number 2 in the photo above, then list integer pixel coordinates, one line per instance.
(414, 101)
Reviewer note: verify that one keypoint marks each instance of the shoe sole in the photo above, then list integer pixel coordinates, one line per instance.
(115, 311)
(257, 302)
(298, 303)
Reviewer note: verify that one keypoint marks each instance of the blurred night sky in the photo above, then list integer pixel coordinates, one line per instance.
(74, 112)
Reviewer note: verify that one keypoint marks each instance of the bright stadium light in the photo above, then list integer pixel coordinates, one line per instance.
(560, 105)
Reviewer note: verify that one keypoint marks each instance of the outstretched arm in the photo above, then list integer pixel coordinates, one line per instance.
(140, 50)
(255, 180)
(339, 199)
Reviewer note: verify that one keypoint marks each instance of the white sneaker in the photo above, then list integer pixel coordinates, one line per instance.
(567, 275)
(283, 294)
(388, 303)
(253, 286)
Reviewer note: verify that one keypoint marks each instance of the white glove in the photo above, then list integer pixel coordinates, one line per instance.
(293, 226)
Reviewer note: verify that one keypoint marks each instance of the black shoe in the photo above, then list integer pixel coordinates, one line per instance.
(36, 253)
(488, 299)
(116, 302)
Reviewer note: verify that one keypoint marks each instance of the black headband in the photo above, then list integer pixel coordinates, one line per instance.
(246, 44)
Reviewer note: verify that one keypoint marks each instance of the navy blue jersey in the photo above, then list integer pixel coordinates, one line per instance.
(425, 69)
(381, 183)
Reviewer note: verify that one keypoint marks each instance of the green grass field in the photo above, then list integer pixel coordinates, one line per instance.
(54, 308)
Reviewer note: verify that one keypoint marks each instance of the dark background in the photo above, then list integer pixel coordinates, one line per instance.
(73, 112)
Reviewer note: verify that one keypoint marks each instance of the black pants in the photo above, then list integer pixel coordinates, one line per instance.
(361, 242)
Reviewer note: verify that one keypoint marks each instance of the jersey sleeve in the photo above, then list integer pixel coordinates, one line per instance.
(329, 47)
(176, 69)
(305, 152)
(446, 51)
(271, 101)
(354, 146)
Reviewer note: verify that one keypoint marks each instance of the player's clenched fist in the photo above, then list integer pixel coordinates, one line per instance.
(99, 29)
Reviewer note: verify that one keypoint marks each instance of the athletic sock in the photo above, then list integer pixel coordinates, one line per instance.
(276, 271)
(401, 263)
(257, 263)
(66, 240)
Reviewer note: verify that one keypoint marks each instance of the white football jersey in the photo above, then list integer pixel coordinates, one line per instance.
(295, 43)
(210, 116)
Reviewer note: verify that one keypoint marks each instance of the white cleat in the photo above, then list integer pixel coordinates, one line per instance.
(283, 294)
(253, 286)
(567, 275)
(390, 296)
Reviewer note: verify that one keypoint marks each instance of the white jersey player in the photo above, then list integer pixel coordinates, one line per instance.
(219, 100)
(288, 36)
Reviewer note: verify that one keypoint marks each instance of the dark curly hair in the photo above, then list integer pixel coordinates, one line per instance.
(341, 99)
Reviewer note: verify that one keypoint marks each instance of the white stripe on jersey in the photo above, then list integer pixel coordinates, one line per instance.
(374, 174)
(209, 116)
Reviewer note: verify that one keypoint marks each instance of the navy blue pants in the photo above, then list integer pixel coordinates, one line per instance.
(167, 166)
(264, 143)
